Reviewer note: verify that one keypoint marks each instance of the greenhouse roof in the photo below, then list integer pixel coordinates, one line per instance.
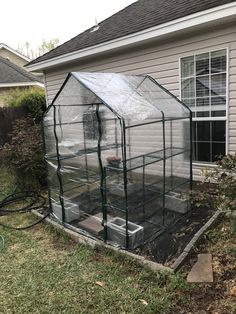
(132, 97)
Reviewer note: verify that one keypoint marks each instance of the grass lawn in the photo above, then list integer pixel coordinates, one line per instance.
(44, 271)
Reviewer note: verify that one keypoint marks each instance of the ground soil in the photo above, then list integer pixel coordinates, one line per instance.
(170, 244)
(220, 296)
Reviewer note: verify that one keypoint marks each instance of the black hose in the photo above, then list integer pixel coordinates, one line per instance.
(37, 201)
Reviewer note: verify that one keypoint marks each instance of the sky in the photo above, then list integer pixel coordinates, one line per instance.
(32, 21)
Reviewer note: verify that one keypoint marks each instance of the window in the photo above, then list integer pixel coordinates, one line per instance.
(90, 125)
(203, 89)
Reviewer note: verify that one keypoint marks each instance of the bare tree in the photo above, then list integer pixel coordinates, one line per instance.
(45, 46)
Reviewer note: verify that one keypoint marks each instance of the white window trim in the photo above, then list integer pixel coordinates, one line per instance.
(226, 118)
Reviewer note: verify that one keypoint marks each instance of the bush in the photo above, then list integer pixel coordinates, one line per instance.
(24, 154)
(219, 188)
(32, 98)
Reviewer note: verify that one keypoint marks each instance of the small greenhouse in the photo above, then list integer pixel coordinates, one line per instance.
(118, 153)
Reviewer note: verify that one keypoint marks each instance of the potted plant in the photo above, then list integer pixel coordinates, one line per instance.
(113, 161)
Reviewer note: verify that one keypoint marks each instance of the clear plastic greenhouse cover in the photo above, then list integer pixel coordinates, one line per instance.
(132, 97)
(118, 154)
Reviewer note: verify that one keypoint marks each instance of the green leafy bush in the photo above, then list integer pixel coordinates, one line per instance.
(24, 154)
(219, 188)
(32, 98)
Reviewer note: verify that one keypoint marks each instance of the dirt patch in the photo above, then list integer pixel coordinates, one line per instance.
(170, 244)
(69, 245)
(220, 296)
(57, 240)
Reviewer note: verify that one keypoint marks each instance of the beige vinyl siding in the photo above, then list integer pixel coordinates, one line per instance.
(12, 57)
(161, 61)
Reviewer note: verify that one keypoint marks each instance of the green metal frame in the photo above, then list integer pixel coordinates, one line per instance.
(125, 169)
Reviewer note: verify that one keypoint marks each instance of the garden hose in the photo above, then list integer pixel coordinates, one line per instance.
(36, 201)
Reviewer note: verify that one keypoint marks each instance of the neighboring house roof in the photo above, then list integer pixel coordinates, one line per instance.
(13, 75)
(139, 16)
(14, 51)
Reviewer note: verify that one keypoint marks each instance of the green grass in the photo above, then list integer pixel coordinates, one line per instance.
(45, 272)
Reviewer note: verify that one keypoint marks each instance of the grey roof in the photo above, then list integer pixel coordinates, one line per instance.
(12, 73)
(136, 17)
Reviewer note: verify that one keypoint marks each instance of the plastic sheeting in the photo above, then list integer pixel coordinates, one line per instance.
(116, 146)
(132, 97)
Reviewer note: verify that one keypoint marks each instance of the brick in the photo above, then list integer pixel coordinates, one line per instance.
(93, 224)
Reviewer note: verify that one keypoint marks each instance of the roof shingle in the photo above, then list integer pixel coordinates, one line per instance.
(136, 17)
(12, 73)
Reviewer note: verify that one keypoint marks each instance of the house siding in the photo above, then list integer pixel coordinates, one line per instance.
(161, 61)
(12, 57)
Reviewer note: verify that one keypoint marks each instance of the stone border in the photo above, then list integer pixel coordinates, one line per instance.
(98, 243)
(82, 239)
(180, 260)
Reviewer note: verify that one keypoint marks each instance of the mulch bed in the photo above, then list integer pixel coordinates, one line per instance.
(169, 245)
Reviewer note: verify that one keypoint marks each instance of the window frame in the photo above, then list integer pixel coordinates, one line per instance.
(226, 117)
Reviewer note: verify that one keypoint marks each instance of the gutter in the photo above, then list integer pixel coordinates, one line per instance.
(6, 85)
(185, 23)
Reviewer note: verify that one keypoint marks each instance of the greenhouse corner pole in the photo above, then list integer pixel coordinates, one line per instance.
(171, 145)
(85, 156)
(46, 165)
(58, 166)
(191, 150)
(103, 175)
(164, 167)
(125, 183)
(143, 185)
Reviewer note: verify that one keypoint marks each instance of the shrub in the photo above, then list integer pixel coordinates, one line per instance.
(24, 153)
(11, 95)
(219, 188)
(32, 98)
